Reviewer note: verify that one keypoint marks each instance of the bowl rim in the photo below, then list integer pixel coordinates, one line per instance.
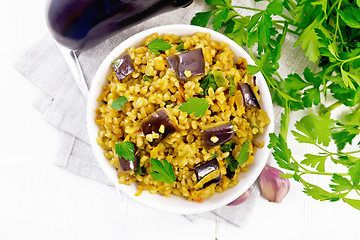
(157, 201)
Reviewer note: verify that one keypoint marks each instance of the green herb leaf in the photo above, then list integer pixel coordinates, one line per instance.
(220, 15)
(281, 152)
(214, 155)
(158, 45)
(180, 47)
(195, 105)
(231, 163)
(318, 193)
(228, 147)
(125, 150)
(208, 82)
(220, 80)
(162, 171)
(315, 160)
(354, 172)
(146, 78)
(119, 103)
(235, 30)
(351, 16)
(316, 129)
(355, 203)
(232, 86)
(201, 18)
(341, 183)
(244, 153)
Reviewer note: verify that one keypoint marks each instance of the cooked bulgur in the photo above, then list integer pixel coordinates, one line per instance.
(153, 85)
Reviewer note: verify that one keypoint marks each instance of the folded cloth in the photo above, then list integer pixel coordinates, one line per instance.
(63, 106)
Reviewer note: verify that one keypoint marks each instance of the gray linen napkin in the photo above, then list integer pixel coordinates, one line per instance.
(63, 106)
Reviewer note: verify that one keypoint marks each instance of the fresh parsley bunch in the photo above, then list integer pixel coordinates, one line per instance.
(329, 33)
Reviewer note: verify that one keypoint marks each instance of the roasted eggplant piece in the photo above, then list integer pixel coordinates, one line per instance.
(187, 64)
(248, 95)
(83, 24)
(123, 66)
(157, 127)
(207, 174)
(126, 165)
(217, 135)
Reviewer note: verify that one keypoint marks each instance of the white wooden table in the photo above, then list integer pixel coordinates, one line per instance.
(41, 201)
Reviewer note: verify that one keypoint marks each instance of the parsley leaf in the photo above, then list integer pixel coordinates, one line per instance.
(231, 163)
(353, 202)
(244, 153)
(195, 105)
(180, 47)
(281, 152)
(232, 86)
(158, 45)
(351, 16)
(341, 183)
(208, 82)
(201, 18)
(316, 129)
(125, 150)
(227, 147)
(354, 172)
(315, 160)
(219, 16)
(119, 103)
(146, 78)
(220, 80)
(162, 171)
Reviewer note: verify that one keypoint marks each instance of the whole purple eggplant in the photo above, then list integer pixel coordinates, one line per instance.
(83, 24)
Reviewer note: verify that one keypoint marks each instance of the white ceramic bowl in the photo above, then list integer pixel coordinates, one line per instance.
(176, 204)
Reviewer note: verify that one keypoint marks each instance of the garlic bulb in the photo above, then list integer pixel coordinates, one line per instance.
(273, 187)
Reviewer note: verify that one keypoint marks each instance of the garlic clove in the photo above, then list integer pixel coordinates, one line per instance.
(241, 199)
(273, 187)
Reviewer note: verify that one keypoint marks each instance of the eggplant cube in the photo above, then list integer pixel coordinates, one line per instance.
(187, 64)
(249, 96)
(123, 66)
(157, 127)
(206, 169)
(218, 135)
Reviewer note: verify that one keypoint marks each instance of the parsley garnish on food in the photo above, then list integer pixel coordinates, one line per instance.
(140, 170)
(227, 147)
(232, 86)
(158, 45)
(195, 105)
(208, 82)
(328, 32)
(125, 150)
(244, 153)
(216, 79)
(119, 103)
(180, 47)
(214, 155)
(162, 171)
(146, 78)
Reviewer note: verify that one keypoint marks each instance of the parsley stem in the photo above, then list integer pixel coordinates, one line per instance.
(282, 27)
(248, 8)
(321, 173)
(330, 108)
(290, 20)
(353, 152)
